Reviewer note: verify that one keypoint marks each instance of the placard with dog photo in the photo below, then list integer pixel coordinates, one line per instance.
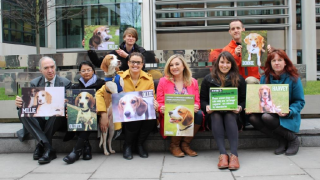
(254, 48)
(179, 115)
(133, 106)
(101, 37)
(81, 109)
(267, 98)
(223, 99)
(42, 101)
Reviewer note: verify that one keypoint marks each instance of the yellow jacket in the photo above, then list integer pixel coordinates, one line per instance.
(103, 98)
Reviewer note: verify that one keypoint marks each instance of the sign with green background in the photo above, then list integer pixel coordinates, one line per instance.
(223, 98)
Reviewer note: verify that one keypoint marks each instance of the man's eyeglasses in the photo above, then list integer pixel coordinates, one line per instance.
(136, 62)
(86, 70)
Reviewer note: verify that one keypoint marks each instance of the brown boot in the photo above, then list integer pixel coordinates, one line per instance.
(185, 145)
(175, 146)
(223, 161)
(233, 162)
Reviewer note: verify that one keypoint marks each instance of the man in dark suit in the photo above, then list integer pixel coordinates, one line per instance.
(42, 129)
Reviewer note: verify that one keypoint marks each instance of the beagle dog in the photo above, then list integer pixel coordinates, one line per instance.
(266, 105)
(255, 44)
(43, 101)
(114, 84)
(100, 38)
(132, 108)
(85, 101)
(30, 97)
(183, 117)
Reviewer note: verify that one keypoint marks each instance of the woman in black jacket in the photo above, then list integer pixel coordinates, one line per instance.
(130, 37)
(224, 73)
(88, 80)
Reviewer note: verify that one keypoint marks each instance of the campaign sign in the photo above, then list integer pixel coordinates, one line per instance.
(254, 48)
(133, 106)
(267, 98)
(81, 109)
(223, 99)
(179, 115)
(42, 101)
(101, 37)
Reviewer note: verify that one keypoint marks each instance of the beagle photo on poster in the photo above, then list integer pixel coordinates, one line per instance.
(183, 118)
(254, 48)
(267, 98)
(101, 37)
(43, 102)
(133, 106)
(81, 108)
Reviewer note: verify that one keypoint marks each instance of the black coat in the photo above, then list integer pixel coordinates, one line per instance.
(124, 61)
(97, 85)
(208, 82)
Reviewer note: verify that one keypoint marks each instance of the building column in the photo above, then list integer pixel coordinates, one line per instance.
(146, 27)
(309, 51)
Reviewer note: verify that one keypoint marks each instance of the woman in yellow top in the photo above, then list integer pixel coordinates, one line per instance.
(136, 132)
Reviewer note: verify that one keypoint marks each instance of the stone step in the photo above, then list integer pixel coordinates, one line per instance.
(309, 136)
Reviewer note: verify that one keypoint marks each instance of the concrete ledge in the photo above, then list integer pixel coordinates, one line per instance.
(309, 136)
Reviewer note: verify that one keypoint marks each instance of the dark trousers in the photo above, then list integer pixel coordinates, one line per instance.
(42, 130)
(138, 131)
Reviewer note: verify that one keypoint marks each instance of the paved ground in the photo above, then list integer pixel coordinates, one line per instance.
(258, 164)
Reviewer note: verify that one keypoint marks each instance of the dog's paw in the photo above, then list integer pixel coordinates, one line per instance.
(106, 153)
(112, 151)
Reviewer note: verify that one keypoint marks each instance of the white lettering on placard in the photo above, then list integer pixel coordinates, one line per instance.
(279, 88)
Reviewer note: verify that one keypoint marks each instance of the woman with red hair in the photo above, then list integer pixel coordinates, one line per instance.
(282, 126)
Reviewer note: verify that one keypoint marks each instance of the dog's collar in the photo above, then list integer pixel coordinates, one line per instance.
(185, 128)
(111, 76)
(85, 110)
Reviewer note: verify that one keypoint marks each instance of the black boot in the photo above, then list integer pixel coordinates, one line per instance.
(73, 156)
(127, 151)
(76, 152)
(145, 130)
(291, 137)
(282, 142)
(48, 155)
(38, 152)
(142, 152)
(87, 155)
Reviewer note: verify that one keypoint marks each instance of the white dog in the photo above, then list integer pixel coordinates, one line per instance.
(183, 117)
(85, 101)
(132, 107)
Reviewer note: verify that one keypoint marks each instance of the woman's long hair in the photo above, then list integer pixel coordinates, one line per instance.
(187, 74)
(233, 73)
(288, 68)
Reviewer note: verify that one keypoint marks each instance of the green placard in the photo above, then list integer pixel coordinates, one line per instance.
(267, 98)
(223, 98)
(178, 115)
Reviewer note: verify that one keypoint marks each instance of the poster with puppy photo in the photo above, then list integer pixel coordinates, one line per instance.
(179, 115)
(133, 106)
(42, 101)
(101, 37)
(81, 110)
(267, 98)
(223, 99)
(254, 48)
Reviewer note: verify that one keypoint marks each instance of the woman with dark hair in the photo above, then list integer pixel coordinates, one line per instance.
(282, 126)
(135, 132)
(130, 37)
(88, 80)
(224, 73)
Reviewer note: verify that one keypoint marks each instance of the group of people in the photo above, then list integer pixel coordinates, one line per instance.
(226, 72)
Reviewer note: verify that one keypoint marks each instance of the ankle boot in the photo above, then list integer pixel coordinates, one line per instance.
(142, 152)
(282, 147)
(291, 137)
(175, 146)
(87, 155)
(73, 156)
(127, 151)
(185, 144)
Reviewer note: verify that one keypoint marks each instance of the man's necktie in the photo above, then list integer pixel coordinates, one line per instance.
(47, 85)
